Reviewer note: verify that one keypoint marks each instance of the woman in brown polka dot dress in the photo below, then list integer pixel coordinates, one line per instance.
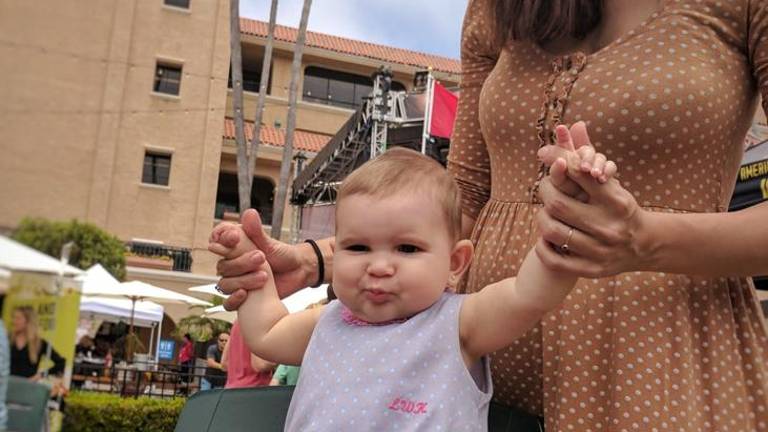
(668, 89)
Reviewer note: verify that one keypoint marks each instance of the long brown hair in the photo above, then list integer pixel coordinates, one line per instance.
(31, 333)
(542, 21)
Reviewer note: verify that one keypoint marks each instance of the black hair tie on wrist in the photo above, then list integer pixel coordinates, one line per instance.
(320, 263)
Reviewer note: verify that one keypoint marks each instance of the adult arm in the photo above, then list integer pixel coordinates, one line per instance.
(225, 356)
(294, 266)
(59, 362)
(613, 234)
(468, 159)
(210, 356)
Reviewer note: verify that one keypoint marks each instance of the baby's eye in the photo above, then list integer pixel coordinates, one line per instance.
(408, 248)
(357, 248)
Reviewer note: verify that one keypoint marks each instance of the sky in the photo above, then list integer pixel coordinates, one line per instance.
(430, 26)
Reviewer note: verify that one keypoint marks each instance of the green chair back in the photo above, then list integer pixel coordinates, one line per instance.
(263, 409)
(27, 403)
(258, 409)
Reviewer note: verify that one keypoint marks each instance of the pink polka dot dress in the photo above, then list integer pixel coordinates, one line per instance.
(670, 102)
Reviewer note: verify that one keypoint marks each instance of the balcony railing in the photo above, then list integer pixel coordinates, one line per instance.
(181, 258)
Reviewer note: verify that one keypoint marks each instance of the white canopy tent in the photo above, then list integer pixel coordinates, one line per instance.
(146, 313)
(141, 313)
(294, 303)
(15, 256)
(136, 292)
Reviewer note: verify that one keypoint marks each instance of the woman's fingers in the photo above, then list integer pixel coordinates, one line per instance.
(579, 134)
(564, 139)
(560, 234)
(245, 263)
(235, 300)
(570, 263)
(566, 209)
(559, 178)
(248, 281)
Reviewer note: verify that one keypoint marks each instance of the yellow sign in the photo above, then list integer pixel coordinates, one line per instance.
(753, 170)
(56, 305)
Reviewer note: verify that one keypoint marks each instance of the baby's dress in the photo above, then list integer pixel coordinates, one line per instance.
(401, 376)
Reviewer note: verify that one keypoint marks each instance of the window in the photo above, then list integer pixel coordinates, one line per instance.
(262, 196)
(157, 168)
(184, 4)
(336, 88)
(251, 80)
(167, 79)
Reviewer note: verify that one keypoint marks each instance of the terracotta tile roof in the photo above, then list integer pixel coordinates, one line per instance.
(354, 47)
(305, 141)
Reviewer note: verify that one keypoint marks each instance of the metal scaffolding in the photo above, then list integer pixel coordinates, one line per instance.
(386, 118)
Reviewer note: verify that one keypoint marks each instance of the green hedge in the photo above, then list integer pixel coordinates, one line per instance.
(100, 412)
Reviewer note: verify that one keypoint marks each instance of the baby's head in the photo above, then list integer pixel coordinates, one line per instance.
(398, 236)
(400, 171)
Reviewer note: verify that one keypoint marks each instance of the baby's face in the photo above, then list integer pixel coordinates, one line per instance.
(392, 257)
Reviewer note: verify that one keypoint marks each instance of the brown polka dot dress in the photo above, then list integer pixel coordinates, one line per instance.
(670, 102)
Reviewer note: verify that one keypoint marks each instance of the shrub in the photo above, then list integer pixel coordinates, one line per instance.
(99, 412)
(92, 244)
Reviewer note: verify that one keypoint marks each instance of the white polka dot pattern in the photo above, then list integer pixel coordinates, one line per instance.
(670, 102)
(407, 376)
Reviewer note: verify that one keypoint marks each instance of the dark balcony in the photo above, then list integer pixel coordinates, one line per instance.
(181, 258)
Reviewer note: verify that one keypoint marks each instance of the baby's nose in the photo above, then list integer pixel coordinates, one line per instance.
(381, 266)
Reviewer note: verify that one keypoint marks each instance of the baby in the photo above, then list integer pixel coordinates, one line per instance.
(398, 350)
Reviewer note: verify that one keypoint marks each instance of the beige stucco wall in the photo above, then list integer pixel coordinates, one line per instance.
(80, 113)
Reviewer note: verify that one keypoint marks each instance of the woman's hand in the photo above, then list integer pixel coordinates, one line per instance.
(246, 271)
(608, 225)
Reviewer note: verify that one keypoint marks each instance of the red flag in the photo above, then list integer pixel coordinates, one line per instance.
(443, 112)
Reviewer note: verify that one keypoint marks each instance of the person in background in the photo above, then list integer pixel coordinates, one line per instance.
(243, 368)
(28, 348)
(186, 357)
(215, 376)
(5, 370)
(85, 347)
(285, 375)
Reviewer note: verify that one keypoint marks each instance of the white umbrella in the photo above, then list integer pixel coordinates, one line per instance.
(219, 312)
(137, 290)
(295, 302)
(208, 289)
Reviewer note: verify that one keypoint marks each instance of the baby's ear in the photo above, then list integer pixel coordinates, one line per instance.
(461, 257)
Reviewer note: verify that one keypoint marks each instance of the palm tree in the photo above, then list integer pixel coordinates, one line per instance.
(285, 166)
(263, 81)
(236, 68)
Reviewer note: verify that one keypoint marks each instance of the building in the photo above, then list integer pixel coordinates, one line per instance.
(119, 113)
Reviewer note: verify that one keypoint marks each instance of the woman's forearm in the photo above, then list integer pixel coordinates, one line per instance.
(707, 244)
(311, 263)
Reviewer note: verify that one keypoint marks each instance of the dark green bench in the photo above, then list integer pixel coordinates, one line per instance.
(263, 409)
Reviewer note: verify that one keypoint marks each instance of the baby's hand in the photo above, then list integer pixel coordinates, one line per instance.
(230, 241)
(583, 159)
(596, 164)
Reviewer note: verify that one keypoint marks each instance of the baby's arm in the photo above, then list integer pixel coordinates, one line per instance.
(270, 331)
(502, 312)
